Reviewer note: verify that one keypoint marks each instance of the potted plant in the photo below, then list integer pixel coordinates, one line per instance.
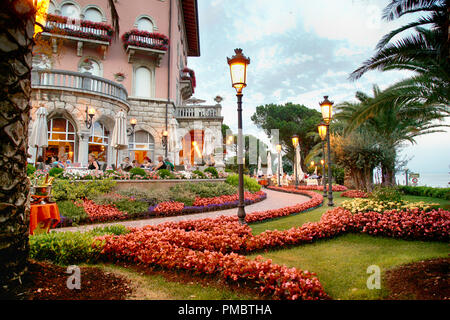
(119, 76)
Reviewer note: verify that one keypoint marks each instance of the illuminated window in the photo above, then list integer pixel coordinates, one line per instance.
(61, 138)
(143, 145)
(98, 141)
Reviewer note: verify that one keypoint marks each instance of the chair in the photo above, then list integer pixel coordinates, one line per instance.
(103, 167)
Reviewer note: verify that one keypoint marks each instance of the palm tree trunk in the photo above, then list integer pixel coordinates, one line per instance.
(16, 33)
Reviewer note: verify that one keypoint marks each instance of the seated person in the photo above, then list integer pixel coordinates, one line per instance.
(93, 163)
(161, 164)
(40, 164)
(54, 162)
(169, 164)
(147, 163)
(126, 165)
(135, 164)
(64, 162)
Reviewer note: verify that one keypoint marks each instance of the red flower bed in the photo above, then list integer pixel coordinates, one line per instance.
(101, 213)
(211, 246)
(354, 194)
(168, 208)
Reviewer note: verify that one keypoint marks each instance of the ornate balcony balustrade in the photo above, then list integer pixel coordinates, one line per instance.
(80, 31)
(199, 112)
(147, 43)
(78, 82)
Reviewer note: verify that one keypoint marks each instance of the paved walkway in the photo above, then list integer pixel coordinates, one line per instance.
(275, 200)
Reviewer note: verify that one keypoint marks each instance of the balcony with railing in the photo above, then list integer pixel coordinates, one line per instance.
(83, 32)
(187, 82)
(78, 82)
(146, 43)
(199, 112)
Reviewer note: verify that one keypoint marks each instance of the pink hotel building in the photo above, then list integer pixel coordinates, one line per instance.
(142, 71)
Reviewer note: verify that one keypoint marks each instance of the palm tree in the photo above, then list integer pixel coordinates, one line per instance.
(395, 123)
(425, 52)
(417, 50)
(17, 19)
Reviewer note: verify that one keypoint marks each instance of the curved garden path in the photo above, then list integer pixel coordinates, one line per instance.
(275, 200)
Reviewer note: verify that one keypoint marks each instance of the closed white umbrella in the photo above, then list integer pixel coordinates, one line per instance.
(269, 164)
(119, 139)
(259, 172)
(208, 145)
(39, 134)
(300, 173)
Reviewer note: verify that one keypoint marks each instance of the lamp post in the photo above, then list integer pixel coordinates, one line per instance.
(295, 144)
(90, 112)
(322, 128)
(238, 71)
(165, 134)
(279, 164)
(327, 114)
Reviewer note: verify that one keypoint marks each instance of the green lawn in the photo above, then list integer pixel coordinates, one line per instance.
(157, 287)
(341, 263)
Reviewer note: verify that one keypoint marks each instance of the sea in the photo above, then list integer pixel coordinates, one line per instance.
(437, 180)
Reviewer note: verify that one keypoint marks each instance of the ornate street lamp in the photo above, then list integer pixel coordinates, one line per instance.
(133, 123)
(164, 134)
(238, 71)
(90, 113)
(278, 147)
(295, 144)
(322, 128)
(327, 115)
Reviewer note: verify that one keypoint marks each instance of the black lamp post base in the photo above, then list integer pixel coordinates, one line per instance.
(241, 215)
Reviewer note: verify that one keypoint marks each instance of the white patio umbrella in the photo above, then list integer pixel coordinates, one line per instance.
(208, 145)
(119, 139)
(259, 172)
(300, 173)
(269, 164)
(174, 141)
(39, 134)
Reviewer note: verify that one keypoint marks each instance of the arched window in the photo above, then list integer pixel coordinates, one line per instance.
(143, 82)
(145, 24)
(93, 14)
(192, 144)
(98, 141)
(70, 10)
(61, 138)
(143, 145)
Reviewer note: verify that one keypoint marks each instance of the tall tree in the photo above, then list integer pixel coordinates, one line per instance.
(391, 126)
(17, 19)
(425, 52)
(17, 22)
(290, 119)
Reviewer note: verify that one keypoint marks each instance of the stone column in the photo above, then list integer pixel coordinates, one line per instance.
(83, 148)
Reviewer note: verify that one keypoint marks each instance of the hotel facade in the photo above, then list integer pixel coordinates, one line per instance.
(142, 71)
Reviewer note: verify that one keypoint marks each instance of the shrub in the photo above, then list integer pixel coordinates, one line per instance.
(206, 189)
(65, 248)
(213, 171)
(386, 194)
(69, 210)
(165, 174)
(70, 190)
(30, 170)
(199, 173)
(185, 196)
(442, 193)
(138, 172)
(133, 208)
(250, 184)
(55, 172)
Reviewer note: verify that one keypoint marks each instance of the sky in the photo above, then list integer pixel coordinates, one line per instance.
(300, 51)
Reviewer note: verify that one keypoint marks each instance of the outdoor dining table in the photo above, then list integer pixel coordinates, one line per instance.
(43, 217)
